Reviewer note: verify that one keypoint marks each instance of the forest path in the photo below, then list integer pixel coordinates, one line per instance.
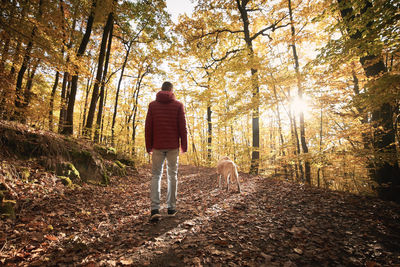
(271, 223)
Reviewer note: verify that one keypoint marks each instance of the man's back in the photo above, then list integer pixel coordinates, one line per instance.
(165, 123)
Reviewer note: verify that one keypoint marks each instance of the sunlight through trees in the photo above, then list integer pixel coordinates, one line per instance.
(307, 91)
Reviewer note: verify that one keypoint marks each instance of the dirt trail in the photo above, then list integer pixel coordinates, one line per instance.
(272, 223)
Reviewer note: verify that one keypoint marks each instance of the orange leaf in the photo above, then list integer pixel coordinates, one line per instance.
(51, 237)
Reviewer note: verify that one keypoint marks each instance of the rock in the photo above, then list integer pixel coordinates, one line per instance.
(68, 170)
(66, 181)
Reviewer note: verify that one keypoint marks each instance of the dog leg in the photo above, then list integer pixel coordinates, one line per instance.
(219, 181)
(238, 184)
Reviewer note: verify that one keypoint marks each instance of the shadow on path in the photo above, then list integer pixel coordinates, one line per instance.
(272, 223)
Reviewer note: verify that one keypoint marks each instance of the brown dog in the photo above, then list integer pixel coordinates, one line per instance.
(227, 168)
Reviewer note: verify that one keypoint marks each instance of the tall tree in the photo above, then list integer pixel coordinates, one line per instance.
(99, 75)
(66, 76)
(69, 122)
(304, 146)
(241, 28)
(128, 47)
(97, 135)
(19, 101)
(385, 161)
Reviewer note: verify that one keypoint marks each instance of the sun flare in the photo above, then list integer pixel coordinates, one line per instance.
(299, 105)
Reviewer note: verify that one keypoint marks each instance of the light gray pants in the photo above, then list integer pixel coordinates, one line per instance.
(158, 158)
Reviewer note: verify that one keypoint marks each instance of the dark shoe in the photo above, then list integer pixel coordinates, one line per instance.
(155, 215)
(171, 212)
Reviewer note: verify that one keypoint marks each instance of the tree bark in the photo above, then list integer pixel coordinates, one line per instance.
(19, 101)
(29, 84)
(99, 75)
(53, 93)
(135, 108)
(304, 147)
(281, 140)
(117, 93)
(295, 143)
(320, 147)
(97, 136)
(87, 92)
(68, 128)
(209, 138)
(255, 155)
(5, 53)
(63, 110)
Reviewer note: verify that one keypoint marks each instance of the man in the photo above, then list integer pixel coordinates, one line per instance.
(165, 133)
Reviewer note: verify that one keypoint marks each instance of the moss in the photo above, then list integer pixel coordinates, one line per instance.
(126, 160)
(106, 179)
(7, 208)
(86, 153)
(119, 164)
(66, 181)
(80, 154)
(118, 168)
(101, 149)
(72, 172)
(111, 150)
(25, 174)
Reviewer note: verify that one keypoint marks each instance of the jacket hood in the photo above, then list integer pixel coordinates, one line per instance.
(165, 96)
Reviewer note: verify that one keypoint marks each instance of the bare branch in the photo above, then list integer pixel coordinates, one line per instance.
(217, 32)
(272, 27)
(189, 73)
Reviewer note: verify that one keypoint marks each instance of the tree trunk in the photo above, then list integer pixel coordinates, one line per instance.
(209, 138)
(63, 103)
(281, 140)
(19, 101)
(15, 62)
(99, 75)
(87, 92)
(255, 155)
(136, 96)
(320, 147)
(7, 37)
(117, 93)
(68, 128)
(53, 93)
(295, 143)
(97, 137)
(66, 76)
(29, 84)
(300, 93)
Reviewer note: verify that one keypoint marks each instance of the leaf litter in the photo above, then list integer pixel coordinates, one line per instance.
(272, 223)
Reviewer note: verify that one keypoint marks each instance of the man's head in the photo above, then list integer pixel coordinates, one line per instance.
(167, 86)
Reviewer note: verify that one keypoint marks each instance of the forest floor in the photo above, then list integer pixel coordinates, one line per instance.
(271, 223)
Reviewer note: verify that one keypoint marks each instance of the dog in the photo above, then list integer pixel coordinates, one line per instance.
(227, 168)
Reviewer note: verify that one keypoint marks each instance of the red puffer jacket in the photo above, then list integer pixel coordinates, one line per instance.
(165, 123)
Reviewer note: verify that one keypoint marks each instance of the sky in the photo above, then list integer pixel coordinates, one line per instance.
(177, 7)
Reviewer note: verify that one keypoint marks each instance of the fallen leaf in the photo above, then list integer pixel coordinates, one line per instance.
(126, 262)
(371, 264)
(51, 237)
(298, 251)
